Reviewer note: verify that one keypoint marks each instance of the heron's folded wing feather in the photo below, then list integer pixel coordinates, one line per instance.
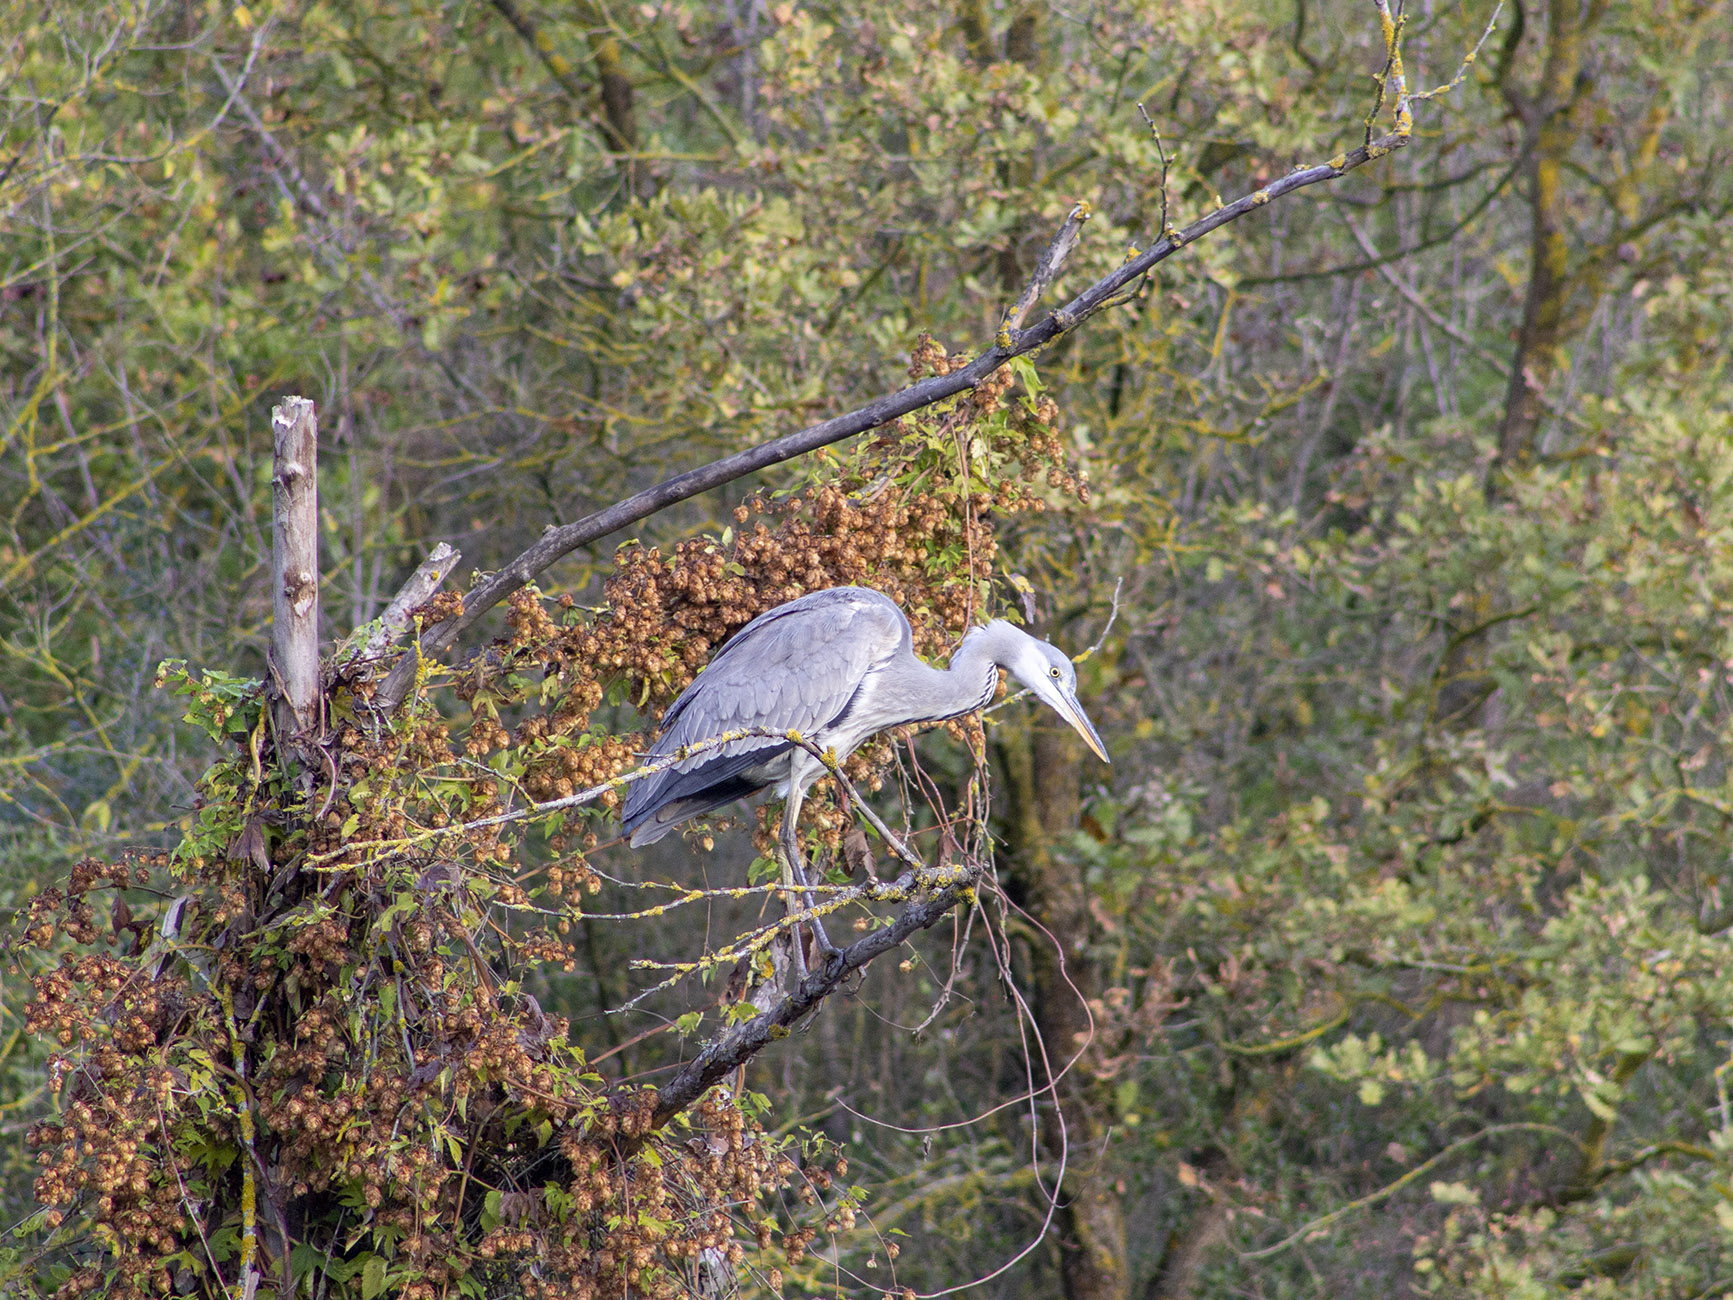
(795, 672)
(795, 668)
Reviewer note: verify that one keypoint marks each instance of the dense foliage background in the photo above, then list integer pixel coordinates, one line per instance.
(1394, 941)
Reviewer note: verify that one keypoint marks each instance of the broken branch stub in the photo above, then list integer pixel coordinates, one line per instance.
(357, 656)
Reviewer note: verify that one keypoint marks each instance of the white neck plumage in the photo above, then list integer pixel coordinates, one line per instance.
(973, 677)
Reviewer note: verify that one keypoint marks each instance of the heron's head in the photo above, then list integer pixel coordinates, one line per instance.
(1047, 673)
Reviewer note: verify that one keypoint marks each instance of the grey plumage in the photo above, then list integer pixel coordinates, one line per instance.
(838, 666)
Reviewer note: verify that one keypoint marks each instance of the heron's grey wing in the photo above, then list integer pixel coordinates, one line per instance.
(797, 670)
(794, 668)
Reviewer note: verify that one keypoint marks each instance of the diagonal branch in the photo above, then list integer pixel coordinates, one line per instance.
(370, 641)
(1070, 231)
(1011, 343)
(935, 890)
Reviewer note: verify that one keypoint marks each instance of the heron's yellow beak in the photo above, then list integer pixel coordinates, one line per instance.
(1072, 712)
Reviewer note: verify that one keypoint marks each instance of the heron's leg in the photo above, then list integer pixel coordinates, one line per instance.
(794, 876)
(786, 853)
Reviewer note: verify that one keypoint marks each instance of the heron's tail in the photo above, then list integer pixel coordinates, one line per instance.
(647, 825)
(657, 804)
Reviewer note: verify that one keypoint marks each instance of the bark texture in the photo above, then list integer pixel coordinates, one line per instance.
(295, 565)
(1549, 116)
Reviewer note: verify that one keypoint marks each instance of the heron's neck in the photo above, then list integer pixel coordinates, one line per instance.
(969, 683)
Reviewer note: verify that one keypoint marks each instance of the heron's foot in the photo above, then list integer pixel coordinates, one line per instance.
(821, 941)
(823, 948)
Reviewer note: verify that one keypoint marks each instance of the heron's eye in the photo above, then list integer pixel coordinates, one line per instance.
(1053, 672)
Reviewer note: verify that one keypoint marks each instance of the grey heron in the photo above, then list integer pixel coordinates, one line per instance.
(838, 666)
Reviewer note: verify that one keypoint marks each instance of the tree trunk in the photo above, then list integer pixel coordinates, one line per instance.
(1023, 39)
(1043, 799)
(972, 18)
(619, 114)
(619, 122)
(1188, 1251)
(1550, 126)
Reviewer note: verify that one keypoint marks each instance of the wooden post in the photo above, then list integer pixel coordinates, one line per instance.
(295, 565)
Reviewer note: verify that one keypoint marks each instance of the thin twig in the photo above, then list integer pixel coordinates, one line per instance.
(1390, 1189)
(1161, 152)
(1468, 61)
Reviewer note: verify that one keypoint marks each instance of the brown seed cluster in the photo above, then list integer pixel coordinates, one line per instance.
(102, 1152)
(400, 1095)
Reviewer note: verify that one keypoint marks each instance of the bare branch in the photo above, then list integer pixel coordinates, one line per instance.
(1412, 296)
(1468, 61)
(1161, 152)
(1070, 231)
